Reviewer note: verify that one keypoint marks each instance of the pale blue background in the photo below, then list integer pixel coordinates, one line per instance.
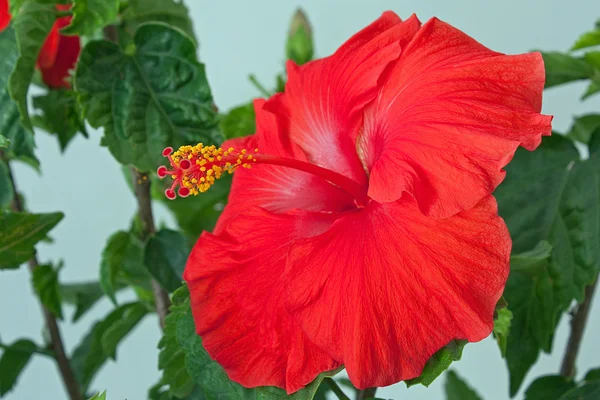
(238, 38)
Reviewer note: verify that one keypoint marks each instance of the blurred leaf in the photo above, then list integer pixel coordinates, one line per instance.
(99, 396)
(588, 39)
(4, 142)
(238, 122)
(83, 296)
(19, 233)
(89, 356)
(206, 372)
(32, 24)
(121, 328)
(457, 389)
(593, 88)
(299, 45)
(588, 391)
(170, 12)
(6, 190)
(551, 200)
(563, 68)
(45, 283)
(89, 16)
(59, 115)
(583, 127)
(123, 252)
(21, 141)
(438, 363)
(14, 359)
(592, 375)
(502, 328)
(150, 97)
(165, 256)
(549, 387)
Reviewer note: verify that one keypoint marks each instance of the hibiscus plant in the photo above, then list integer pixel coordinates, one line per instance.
(371, 214)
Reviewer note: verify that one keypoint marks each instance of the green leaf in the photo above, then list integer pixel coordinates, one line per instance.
(99, 396)
(502, 328)
(549, 199)
(563, 68)
(299, 45)
(154, 96)
(32, 24)
(4, 142)
(89, 16)
(59, 115)
(457, 389)
(589, 391)
(592, 375)
(13, 361)
(165, 256)
(82, 295)
(588, 39)
(19, 233)
(204, 371)
(89, 356)
(438, 363)
(549, 387)
(583, 127)
(170, 12)
(238, 122)
(6, 189)
(121, 328)
(123, 253)
(21, 144)
(45, 283)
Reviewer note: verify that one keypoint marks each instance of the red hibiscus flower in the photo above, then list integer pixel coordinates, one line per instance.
(58, 54)
(361, 230)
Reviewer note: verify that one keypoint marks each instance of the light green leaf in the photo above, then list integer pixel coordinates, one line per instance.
(563, 68)
(238, 122)
(588, 39)
(21, 144)
(588, 391)
(99, 396)
(549, 387)
(583, 127)
(59, 115)
(299, 45)
(13, 361)
(6, 189)
(438, 363)
(457, 389)
(152, 96)
(89, 16)
(170, 12)
(165, 256)
(502, 328)
(19, 233)
(45, 283)
(32, 24)
(121, 328)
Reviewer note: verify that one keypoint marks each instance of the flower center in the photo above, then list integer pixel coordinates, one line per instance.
(195, 169)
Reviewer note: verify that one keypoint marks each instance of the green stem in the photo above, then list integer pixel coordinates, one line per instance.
(336, 389)
(259, 86)
(366, 394)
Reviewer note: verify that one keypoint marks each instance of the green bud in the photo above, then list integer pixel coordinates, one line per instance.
(299, 46)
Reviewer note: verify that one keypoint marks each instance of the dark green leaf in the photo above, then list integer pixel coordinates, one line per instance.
(99, 396)
(563, 68)
(59, 115)
(589, 391)
(89, 16)
(457, 389)
(165, 257)
(155, 95)
(21, 141)
(121, 328)
(19, 233)
(438, 363)
(549, 387)
(583, 127)
(45, 283)
(299, 45)
(32, 24)
(502, 328)
(6, 190)
(170, 12)
(207, 373)
(82, 295)
(592, 375)
(13, 361)
(238, 122)
(588, 39)
(4, 142)
(89, 356)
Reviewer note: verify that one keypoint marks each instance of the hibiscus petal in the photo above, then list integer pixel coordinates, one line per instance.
(386, 287)
(67, 53)
(4, 15)
(322, 106)
(448, 119)
(236, 294)
(49, 49)
(275, 188)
